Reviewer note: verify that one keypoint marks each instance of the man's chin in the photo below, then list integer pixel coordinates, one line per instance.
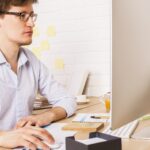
(26, 43)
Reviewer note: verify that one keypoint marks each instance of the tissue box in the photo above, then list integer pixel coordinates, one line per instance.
(107, 142)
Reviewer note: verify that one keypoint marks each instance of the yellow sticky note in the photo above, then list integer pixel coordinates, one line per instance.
(36, 32)
(37, 51)
(59, 63)
(45, 45)
(51, 31)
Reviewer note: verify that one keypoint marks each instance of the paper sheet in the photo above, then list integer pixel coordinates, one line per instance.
(92, 141)
(92, 117)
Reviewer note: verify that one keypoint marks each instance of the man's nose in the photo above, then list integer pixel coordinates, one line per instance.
(30, 22)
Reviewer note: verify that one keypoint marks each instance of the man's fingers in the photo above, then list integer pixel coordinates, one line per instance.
(37, 125)
(36, 141)
(30, 123)
(21, 123)
(27, 144)
(41, 133)
(25, 122)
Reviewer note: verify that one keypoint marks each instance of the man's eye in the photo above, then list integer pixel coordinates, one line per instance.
(23, 15)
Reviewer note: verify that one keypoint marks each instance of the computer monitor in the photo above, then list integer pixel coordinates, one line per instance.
(130, 60)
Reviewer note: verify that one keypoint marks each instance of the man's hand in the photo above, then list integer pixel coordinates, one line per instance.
(42, 119)
(33, 120)
(29, 137)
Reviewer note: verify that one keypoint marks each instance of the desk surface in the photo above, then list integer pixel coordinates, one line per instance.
(127, 144)
(94, 106)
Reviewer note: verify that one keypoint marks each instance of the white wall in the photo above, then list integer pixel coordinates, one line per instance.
(74, 34)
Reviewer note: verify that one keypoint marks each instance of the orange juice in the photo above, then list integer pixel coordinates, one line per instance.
(107, 104)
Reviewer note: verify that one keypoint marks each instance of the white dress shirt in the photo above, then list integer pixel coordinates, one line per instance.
(18, 91)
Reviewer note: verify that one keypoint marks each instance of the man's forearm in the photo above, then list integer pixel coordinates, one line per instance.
(55, 114)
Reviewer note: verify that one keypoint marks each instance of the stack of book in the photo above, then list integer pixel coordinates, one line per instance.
(41, 103)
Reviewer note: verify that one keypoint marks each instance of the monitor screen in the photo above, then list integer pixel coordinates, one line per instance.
(130, 60)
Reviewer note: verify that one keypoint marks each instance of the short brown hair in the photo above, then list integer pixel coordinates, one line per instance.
(5, 4)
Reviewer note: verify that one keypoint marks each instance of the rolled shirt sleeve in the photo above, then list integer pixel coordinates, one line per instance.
(56, 94)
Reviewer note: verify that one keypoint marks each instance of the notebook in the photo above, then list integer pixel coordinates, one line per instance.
(77, 126)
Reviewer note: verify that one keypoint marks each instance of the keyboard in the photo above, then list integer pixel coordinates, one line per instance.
(124, 132)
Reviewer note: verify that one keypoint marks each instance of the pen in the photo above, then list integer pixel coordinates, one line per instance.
(96, 117)
(100, 117)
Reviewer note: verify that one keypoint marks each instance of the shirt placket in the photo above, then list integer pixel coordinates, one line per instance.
(18, 100)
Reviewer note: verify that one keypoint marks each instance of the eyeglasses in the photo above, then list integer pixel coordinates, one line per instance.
(22, 15)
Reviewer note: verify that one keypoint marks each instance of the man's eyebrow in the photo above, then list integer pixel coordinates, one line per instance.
(32, 12)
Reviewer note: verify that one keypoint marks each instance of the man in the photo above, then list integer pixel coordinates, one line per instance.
(21, 76)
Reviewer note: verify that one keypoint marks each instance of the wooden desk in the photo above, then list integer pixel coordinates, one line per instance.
(127, 144)
(94, 106)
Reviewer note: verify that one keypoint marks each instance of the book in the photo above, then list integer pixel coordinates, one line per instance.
(78, 126)
(41, 103)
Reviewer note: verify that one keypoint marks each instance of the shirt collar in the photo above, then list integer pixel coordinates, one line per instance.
(22, 58)
(2, 58)
(21, 61)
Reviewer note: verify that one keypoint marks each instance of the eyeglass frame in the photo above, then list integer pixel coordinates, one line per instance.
(21, 15)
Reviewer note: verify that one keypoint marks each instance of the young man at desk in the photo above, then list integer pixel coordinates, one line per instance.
(21, 76)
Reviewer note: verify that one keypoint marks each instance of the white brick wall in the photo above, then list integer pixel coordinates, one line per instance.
(83, 39)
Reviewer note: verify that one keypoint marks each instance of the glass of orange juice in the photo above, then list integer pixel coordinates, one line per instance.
(107, 101)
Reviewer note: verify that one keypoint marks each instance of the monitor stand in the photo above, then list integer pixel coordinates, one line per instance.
(144, 133)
